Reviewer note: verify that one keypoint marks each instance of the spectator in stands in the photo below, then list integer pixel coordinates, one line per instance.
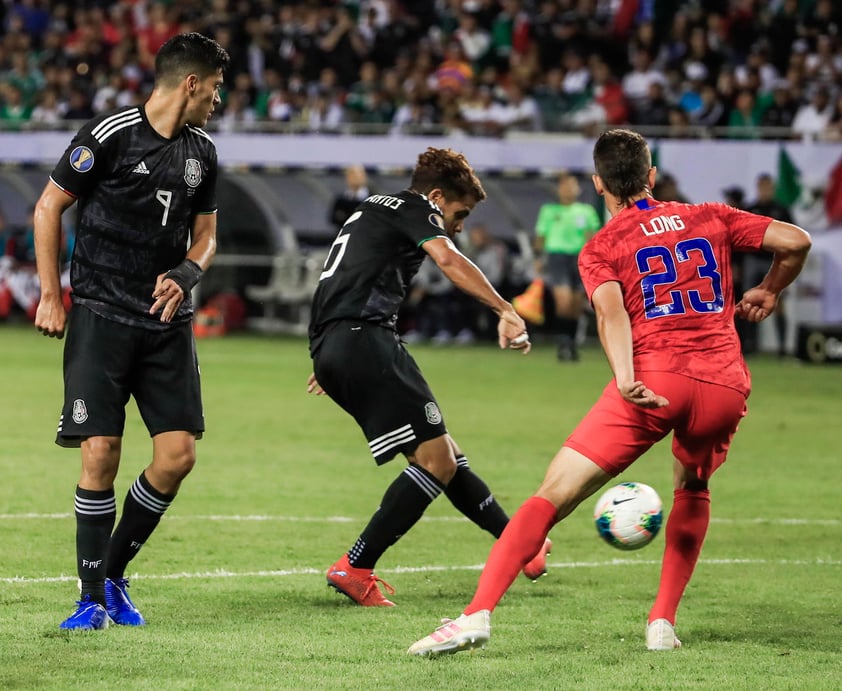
(415, 115)
(781, 111)
(78, 104)
(825, 64)
(712, 112)
(324, 112)
(14, 113)
(756, 265)
(473, 38)
(551, 99)
(833, 131)
(343, 46)
(356, 190)
(577, 78)
(690, 100)
(510, 41)
(654, 110)
(361, 93)
(667, 189)
(607, 104)
(812, 118)
(744, 118)
(636, 83)
(455, 72)
(483, 115)
(521, 110)
(679, 126)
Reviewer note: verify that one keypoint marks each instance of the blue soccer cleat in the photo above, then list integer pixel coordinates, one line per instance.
(120, 607)
(89, 616)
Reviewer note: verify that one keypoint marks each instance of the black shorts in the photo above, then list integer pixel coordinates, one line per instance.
(106, 362)
(366, 370)
(563, 270)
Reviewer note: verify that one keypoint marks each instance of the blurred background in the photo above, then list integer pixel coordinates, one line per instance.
(327, 101)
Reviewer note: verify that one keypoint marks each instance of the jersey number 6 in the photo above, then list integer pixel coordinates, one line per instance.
(337, 249)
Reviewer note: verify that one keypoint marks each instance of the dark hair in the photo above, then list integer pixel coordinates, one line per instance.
(187, 54)
(450, 172)
(622, 160)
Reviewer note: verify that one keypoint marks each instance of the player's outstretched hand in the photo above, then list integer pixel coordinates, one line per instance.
(756, 304)
(637, 392)
(511, 332)
(313, 386)
(51, 317)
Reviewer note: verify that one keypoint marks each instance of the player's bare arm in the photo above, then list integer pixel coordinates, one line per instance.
(615, 334)
(170, 289)
(790, 245)
(465, 275)
(51, 317)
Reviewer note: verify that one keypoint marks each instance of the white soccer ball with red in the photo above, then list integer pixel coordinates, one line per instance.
(629, 515)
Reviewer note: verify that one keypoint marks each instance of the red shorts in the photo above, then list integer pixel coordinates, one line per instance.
(702, 416)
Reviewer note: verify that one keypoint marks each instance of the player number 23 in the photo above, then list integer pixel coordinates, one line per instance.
(676, 301)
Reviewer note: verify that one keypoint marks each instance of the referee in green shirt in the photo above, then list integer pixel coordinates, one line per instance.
(560, 233)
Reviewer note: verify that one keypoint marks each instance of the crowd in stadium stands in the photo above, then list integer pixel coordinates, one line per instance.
(481, 67)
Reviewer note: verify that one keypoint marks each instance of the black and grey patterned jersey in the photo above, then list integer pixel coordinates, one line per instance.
(373, 259)
(138, 194)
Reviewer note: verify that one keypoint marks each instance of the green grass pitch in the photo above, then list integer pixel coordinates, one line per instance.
(232, 583)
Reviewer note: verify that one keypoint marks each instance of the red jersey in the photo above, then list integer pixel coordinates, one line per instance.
(673, 263)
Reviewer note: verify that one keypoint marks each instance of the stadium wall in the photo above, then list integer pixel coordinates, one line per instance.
(702, 167)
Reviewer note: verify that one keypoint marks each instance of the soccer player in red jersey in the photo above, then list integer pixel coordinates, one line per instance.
(659, 277)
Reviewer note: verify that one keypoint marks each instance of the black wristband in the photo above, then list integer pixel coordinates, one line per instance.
(185, 275)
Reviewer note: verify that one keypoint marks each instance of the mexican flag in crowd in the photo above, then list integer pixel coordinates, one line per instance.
(790, 191)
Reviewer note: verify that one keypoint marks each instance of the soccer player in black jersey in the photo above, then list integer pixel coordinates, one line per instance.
(361, 363)
(144, 180)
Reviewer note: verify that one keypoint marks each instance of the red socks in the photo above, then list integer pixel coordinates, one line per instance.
(520, 541)
(687, 526)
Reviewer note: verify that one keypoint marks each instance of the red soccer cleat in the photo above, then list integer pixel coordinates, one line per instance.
(358, 584)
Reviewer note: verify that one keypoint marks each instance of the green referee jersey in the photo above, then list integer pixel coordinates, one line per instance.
(565, 227)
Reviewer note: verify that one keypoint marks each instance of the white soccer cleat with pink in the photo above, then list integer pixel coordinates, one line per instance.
(466, 632)
(660, 635)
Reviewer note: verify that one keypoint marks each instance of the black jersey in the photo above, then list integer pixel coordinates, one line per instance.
(138, 194)
(373, 259)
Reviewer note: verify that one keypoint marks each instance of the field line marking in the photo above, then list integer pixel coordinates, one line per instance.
(257, 518)
(305, 571)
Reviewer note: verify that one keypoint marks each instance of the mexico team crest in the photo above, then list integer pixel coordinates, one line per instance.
(80, 411)
(431, 410)
(192, 172)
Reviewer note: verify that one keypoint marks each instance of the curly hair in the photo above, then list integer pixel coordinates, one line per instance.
(449, 171)
(622, 159)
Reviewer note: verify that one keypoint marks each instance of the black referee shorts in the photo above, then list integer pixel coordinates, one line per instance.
(366, 370)
(563, 270)
(106, 362)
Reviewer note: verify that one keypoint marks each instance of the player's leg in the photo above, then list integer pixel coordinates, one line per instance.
(97, 364)
(699, 448)
(571, 478)
(470, 495)
(167, 363)
(566, 310)
(370, 374)
(684, 535)
(609, 439)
